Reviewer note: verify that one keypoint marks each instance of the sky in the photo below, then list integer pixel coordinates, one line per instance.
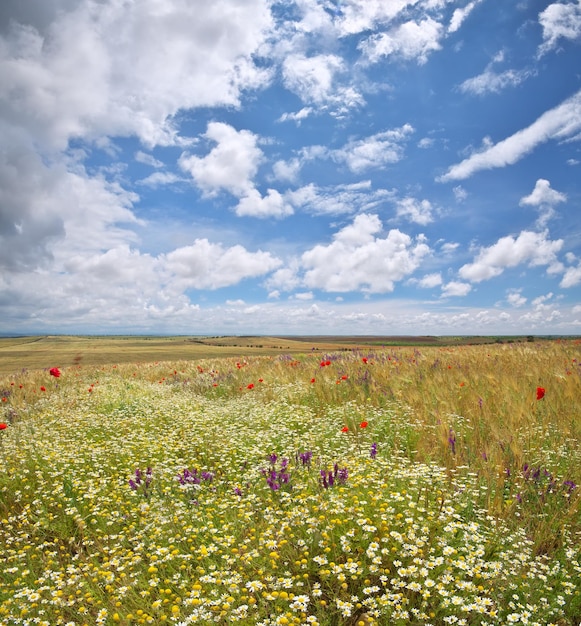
(241, 167)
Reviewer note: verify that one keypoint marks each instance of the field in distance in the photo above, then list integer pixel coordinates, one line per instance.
(39, 352)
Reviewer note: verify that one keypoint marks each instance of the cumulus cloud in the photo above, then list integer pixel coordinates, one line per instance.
(52, 213)
(271, 205)
(375, 151)
(560, 20)
(311, 78)
(230, 165)
(544, 198)
(412, 40)
(430, 280)
(571, 277)
(456, 288)
(359, 259)
(559, 123)
(111, 68)
(418, 211)
(543, 194)
(206, 265)
(531, 248)
(515, 298)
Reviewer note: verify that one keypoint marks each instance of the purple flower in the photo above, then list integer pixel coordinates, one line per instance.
(272, 458)
(305, 457)
(452, 441)
(373, 452)
(569, 485)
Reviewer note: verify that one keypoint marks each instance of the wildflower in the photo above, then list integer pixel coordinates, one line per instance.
(452, 441)
(373, 452)
(54, 371)
(540, 393)
(364, 359)
(3, 426)
(363, 425)
(250, 386)
(305, 457)
(312, 380)
(345, 429)
(43, 388)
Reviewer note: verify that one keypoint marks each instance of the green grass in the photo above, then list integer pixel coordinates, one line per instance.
(449, 491)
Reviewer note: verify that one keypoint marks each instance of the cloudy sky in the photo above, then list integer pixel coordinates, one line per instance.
(296, 167)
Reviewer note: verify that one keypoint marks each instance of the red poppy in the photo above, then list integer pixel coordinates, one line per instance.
(363, 425)
(4, 399)
(261, 380)
(345, 429)
(327, 362)
(54, 371)
(312, 380)
(540, 393)
(43, 388)
(344, 377)
(250, 386)
(3, 426)
(364, 359)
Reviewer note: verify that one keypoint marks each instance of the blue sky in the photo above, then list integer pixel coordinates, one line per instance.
(309, 167)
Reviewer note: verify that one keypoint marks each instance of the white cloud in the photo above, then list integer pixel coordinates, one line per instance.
(448, 248)
(287, 170)
(206, 265)
(375, 151)
(298, 116)
(311, 78)
(544, 198)
(560, 20)
(460, 193)
(430, 280)
(491, 82)
(271, 205)
(230, 165)
(531, 248)
(455, 288)
(52, 213)
(412, 40)
(317, 81)
(148, 159)
(460, 15)
(558, 123)
(358, 259)
(158, 179)
(542, 194)
(338, 199)
(119, 68)
(515, 298)
(571, 277)
(418, 211)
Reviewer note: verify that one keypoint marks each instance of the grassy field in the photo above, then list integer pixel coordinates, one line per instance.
(289, 481)
(18, 353)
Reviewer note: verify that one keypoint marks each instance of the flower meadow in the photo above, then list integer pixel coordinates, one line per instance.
(370, 486)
